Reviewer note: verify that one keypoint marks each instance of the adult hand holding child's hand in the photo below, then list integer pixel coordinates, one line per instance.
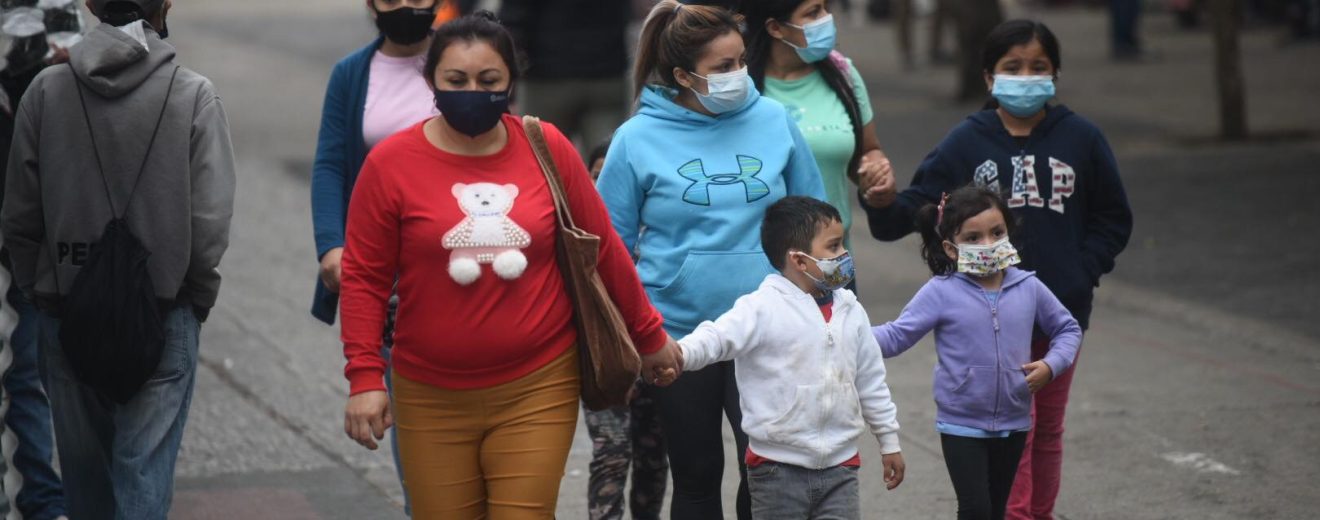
(877, 182)
(663, 367)
(1038, 374)
(894, 469)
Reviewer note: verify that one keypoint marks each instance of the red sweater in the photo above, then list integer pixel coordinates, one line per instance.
(405, 217)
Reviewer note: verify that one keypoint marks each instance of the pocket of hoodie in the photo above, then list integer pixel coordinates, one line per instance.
(796, 423)
(975, 394)
(1018, 394)
(708, 282)
(843, 420)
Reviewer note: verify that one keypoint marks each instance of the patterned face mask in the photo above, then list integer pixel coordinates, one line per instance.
(985, 260)
(836, 272)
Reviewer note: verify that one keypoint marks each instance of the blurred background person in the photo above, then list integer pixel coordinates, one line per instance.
(34, 35)
(577, 58)
(1124, 16)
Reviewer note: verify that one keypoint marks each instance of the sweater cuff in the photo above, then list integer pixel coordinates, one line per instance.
(651, 343)
(322, 249)
(363, 380)
(1058, 365)
(888, 443)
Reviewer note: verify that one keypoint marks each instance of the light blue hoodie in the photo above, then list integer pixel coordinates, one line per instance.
(687, 193)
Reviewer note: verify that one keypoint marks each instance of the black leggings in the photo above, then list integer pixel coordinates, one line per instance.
(982, 472)
(690, 412)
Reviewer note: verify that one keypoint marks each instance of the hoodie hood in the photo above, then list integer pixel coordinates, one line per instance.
(1012, 276)
(111, 63)
(658, 101)
(987, 122)
(782, 285)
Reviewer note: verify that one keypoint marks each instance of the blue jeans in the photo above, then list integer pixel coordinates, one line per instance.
(118, 460)
(41, 496)
(788, 492)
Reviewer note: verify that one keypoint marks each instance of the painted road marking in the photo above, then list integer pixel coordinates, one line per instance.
(1199, 462)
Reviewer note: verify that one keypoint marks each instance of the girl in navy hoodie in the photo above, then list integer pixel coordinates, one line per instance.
(1063, 186)
(983, 311)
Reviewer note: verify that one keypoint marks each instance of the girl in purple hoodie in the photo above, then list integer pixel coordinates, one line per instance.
(983, 312)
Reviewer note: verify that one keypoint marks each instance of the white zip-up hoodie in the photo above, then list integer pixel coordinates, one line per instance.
(808, 387)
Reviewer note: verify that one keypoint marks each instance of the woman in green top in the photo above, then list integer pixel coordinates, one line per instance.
(790, 55)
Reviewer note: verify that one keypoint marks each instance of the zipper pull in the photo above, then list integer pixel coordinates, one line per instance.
(829, 334)
(994, 316)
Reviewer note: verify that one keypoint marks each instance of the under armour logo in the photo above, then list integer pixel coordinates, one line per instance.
(699, 192)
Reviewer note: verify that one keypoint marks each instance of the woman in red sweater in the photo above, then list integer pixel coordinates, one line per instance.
(485, 365)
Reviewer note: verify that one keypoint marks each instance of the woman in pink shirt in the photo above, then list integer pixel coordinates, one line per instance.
(374, 92)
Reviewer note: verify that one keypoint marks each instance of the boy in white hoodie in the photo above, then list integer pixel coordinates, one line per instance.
(808, 368)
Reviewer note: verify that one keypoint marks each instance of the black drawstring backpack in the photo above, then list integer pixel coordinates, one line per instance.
(111, 327)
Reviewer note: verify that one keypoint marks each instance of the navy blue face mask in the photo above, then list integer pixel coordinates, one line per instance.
(472, 112)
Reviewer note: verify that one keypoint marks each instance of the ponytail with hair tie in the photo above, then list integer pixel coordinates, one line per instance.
(670, 41)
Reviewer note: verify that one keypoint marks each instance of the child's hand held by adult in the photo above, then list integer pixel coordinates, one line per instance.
(877, 182)
(874, 170)
(1038, 375)
(894, 469)
(663, 367)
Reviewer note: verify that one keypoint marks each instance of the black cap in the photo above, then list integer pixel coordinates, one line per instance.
(120, 12)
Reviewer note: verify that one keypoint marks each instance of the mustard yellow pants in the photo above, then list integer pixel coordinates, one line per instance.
(492, 453)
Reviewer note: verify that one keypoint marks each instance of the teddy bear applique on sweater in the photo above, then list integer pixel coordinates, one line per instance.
(487, 235)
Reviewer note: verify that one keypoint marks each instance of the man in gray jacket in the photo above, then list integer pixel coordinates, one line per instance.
(67, 169)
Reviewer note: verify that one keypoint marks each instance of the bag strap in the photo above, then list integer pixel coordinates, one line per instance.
(536, 136)
(77, 83)
(50, 252)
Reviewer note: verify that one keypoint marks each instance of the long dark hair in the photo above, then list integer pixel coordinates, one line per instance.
(943, 221)
(1011, 34)
(481, 26)
(674, 35)
(759, 42)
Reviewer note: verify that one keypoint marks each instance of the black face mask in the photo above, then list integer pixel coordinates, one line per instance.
(405, 26)
(472, 112)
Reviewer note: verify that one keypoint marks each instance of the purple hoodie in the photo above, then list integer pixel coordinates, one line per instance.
(979, 382)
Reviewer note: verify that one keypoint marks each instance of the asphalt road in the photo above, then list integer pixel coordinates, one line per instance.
(1197, 396)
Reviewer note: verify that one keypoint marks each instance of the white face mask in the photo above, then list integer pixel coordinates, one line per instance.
(728, 90)
(985, 260)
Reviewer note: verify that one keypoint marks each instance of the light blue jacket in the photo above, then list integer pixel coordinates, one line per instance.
(981, 346)
(687, 193)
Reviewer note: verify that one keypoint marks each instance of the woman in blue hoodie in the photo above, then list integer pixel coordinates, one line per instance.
(687, 181)
(373, 92)
(1063, 186)
(983, 312)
